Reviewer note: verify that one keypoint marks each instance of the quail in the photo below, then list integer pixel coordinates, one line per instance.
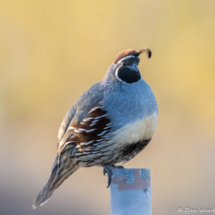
(110, 123)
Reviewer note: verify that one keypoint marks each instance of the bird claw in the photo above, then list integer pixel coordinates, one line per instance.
(119, 167)
(109, 170)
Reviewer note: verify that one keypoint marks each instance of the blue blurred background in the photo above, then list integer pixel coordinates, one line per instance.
(52, 51)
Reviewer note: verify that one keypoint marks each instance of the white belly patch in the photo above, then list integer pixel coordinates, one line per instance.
(134, 132)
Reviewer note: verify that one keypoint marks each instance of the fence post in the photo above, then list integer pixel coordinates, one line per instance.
(131, 192)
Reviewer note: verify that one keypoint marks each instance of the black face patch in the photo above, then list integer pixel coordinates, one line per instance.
(128, 75)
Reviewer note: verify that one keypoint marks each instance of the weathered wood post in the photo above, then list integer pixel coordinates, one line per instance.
(131, 192)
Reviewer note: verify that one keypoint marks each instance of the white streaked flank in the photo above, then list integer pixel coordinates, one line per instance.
(98, 117)
(102, 133)
(87, 153)
(95, 108)
(87, 143)
(94, 122)
(69, 142)
(82, 129)
(77, 131)
(106, 127)
(87, 119)
(91, 130)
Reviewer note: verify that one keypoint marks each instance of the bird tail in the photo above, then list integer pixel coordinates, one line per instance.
(58, 175)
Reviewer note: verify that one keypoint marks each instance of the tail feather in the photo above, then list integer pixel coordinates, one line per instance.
(58, 175)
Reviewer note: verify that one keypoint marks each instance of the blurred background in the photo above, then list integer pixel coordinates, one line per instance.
(52, 51)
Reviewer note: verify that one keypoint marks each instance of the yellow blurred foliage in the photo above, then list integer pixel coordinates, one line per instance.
(52, 51)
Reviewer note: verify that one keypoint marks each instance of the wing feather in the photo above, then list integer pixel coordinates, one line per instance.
(80, 109)
(84, 138)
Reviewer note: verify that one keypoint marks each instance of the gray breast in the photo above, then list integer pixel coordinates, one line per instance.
(127, 103)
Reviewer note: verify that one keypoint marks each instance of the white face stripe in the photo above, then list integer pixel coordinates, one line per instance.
(117, 77)
(124, 58)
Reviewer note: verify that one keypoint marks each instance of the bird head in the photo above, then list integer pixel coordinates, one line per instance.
(126, 65)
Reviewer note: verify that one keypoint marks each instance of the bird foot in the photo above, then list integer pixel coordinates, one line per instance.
(109, 170)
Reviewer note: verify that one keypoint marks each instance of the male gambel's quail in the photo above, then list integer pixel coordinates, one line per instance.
(110, 123)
